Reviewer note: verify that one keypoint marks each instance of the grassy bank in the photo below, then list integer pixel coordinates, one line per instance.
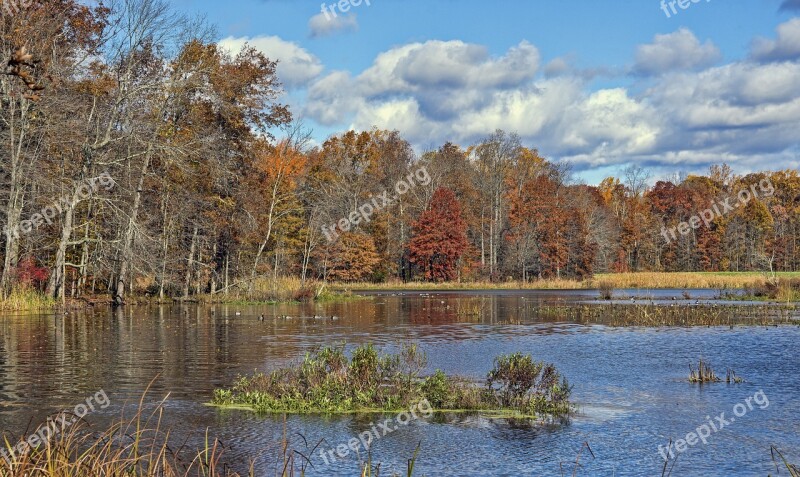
(654, 280)
(263, 291)
(328, 382)
(704, 280)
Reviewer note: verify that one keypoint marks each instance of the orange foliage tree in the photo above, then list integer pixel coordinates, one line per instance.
(439, 237)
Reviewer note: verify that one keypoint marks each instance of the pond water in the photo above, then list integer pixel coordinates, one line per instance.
(630, 384)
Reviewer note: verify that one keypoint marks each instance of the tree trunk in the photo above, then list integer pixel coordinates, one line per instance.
(190, 263)
(118, 286)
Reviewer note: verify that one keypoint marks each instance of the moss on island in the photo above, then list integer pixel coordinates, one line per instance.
(326, 381)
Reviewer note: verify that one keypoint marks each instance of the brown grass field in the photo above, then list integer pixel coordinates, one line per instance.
(704, 280)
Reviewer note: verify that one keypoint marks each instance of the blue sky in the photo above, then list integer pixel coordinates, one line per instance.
(599, 84)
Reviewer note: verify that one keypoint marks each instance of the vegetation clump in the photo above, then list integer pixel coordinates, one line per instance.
(703, 374)
(327, 381)
(606, 290)
(777, 289)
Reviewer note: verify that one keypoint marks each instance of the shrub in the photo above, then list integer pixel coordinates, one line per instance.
(606, 290)
(518, 381)
(436, 389)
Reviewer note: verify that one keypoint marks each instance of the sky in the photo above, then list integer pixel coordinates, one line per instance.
(598, 84)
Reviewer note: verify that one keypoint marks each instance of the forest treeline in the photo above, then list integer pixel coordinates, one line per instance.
(139, 157)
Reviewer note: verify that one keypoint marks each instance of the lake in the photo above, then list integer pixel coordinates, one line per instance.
(630, 384)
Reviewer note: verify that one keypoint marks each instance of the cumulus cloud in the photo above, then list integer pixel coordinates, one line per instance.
(676, 51)
(691, 114)
(296, 66)
(332, 99)
(324, 25)
(446, 65)
(785, 47)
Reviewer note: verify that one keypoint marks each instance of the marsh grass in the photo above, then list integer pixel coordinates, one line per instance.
(703, 374)
(135, 446)
(138, 446)
(775, 289)
(780, 461)
(680, 280)
(270, 290)
(368, 469)
(27, 299)
(732, 378)
(606, 290)
(654, 280)
(652, 315)
(328, 382)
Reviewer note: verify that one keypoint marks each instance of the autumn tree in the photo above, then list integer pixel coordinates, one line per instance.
(439, 238)
(351, 258)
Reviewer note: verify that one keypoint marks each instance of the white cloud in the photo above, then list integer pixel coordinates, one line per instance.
(785, 47)
(332, 99)
(296, 66)
(446, 65)
(676, 51)
(692, 114)
(323, 25)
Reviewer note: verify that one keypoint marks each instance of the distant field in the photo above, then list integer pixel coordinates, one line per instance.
(712, 280)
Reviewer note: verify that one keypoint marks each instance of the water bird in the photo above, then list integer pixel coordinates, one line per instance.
(238, 313)
(334, 318)
(261, 318)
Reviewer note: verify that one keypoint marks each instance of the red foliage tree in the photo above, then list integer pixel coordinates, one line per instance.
(440, 238)
(31, 275)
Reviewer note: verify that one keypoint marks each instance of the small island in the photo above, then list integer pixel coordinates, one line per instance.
(326, 381)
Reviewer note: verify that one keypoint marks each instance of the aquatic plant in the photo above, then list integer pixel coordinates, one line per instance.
(657, 315)
(326, 381)
(135, 446)
(731, 378)
(703, 374)
(519, 382)
(794, 470)
(606, 290)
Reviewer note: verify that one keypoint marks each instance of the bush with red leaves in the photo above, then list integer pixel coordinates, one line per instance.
(30, 274)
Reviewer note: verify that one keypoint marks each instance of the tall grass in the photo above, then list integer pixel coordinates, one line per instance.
(135, 446)
(606, 281)
(269, 290)
(702, 280)
(778, 289)
(27, 299)
(650, 315)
